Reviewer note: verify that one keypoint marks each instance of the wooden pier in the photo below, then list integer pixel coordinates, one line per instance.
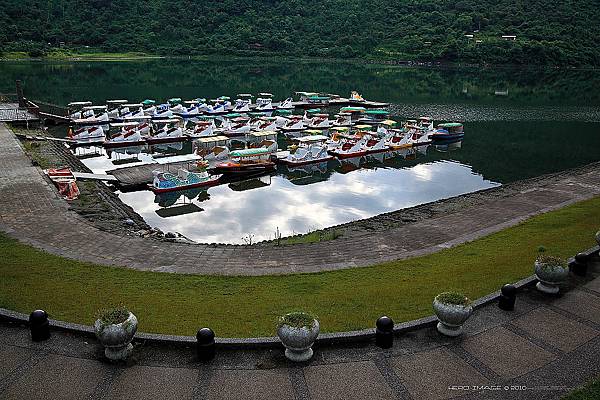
(139, 175)
(11, 112)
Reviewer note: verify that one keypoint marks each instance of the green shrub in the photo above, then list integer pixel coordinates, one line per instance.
(297, 319)
(113, 316)
(454, 298)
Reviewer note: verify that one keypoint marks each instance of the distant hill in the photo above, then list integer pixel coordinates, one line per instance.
(547, 32)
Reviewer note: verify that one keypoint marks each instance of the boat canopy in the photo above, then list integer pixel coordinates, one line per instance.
(134, 118)
(265, 94)
(240, 119)
(307, 93)
(132, 105)
(148, 102)
(256, 114)
(223, 98)
(352, 109)
(94, 108)
(122, 124)
(167, 121)
(233, 115)
(212, 139)
(411, 121)
(313, 131)
(389, 122)
(116, 101)
(317, 97)
(262, 134)
(283, 112)
(248, 95)
(312, 138)
(79, 103)
(174, 100)
(450, 125)
(363, 127)
(377, 112)
(424, 119)
(250, 152)
(340, 128)
(313, 110)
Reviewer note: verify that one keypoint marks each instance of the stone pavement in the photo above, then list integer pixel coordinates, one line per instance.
(542, 350)
(32, 212)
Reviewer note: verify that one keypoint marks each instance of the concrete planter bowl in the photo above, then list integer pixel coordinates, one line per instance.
(451, 316)
(298, 341)
(598, 238)
(116, 338)
(549, 276)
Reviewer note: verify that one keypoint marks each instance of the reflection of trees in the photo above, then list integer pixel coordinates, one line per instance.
(161, 79)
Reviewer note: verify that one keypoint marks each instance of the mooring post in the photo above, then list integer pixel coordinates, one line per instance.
(508, 297)
(20, 96)
(39, 325)
(384, 332)
(579, 264)
(205, 348)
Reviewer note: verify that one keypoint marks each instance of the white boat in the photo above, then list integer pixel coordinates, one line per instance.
(125, 137)
(366, 145)
(263, 139)
(241, 105)
(212, 148)
(343, 120)
(264, 103)
(294, 124)
(287, 104)
(202, 129)
(264, 124)
(235, 127)
(86, 134)
(310, 149)
(320, 121)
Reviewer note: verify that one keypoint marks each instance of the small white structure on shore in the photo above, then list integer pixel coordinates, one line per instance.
(509, 37)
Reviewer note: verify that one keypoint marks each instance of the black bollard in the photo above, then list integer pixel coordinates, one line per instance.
(384, 333)
(206, 344)
(579, 265)
(39, 325)
(508, 297)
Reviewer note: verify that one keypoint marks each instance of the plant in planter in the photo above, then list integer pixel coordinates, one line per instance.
(452, 309)
(550, 271)
(115, 328)
(598, 237)
(298, 331)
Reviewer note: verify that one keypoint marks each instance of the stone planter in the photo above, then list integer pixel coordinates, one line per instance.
(451, 316)
(598, 238)
(549, 276)
(116, 338)
(298, 341)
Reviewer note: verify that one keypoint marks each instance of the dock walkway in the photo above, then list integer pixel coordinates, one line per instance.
(11, 112)
(59, 230)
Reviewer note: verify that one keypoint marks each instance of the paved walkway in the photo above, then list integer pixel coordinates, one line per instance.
(543, 349)
(32, 212)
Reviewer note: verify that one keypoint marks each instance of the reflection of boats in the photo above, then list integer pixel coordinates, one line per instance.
(308, 173)
(247, 161)
(165, 181)
(249, 184)
(449, 145)
(168, 199)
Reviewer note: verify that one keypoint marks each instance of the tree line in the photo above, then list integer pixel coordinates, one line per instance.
(547, 32)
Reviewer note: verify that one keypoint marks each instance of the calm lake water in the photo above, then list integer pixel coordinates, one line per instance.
(518, 124)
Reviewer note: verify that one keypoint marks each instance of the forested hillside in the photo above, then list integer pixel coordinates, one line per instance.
(547, 32)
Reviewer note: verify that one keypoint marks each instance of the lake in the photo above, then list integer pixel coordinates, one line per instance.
(519, 124)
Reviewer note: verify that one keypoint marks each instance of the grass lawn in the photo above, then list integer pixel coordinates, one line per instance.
(248, 306)
(591, 391)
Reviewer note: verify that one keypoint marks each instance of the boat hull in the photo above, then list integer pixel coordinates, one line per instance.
(210, 182)
(358, 153)
(293, 163)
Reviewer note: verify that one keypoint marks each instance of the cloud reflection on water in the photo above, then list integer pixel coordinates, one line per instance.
(229, 215)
